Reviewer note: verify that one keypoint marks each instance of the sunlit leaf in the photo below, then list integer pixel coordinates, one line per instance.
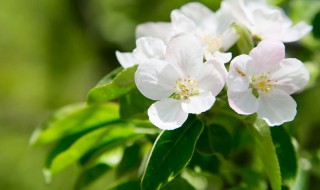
(286, 154)
(106, 136)
(75, 121)
(171, 153)
(267, 152)
(110, 89)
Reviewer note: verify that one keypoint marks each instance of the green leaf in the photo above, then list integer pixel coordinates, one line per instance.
(134, 105)
(91, 174)
(171, 152)
(245, 43)
(267, 152)
(110, 89)
(128, 185)
(74, 121)
(215, 139)
(178, 183)
(286, 154)
(109, 136)
(131, 160)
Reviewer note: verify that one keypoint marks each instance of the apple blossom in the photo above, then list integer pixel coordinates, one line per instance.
(181, 83)
(263, 81)
(147, 47)
(265, 21)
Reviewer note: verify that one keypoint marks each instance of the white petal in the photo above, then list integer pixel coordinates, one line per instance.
(296, 32)
(225, 19)
(209, 77)
(238, 75)
(267, 56)
(184, 51)
(162, 30)
(167, 114)
(229, 38)
(276, 107)
(243, 102)
(149, 47)
(198, 104)
(156, 79)
(181, 23)
(292, 76)
(127, 59)
(196, 11)
(268, 23)
(222, 57)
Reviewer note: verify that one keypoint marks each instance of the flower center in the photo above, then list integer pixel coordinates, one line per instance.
(262, 83)
(214, 43)
(185, 88)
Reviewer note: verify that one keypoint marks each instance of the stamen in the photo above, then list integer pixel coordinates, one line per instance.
(185, 88)
(262, 83)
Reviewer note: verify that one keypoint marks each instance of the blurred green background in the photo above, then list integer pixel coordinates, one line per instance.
(52, 52)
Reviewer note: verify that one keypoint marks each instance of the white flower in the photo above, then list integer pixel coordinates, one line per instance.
(265, 21)
(263, 81)
(212, 29)
(181, 83)
(147, 48)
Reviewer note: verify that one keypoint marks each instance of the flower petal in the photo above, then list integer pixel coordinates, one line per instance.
(238, 77)
(276, 107)
(162, 30)
(292, 76)
(209, 77)
(167, 114)
(267, 55)
(181, 23)
(198, 104)
(149, 47)
(196, 11)
(229, 38)
(296, 32)
(126, 59)
(184, 51)
(156, 79)
(243, 102)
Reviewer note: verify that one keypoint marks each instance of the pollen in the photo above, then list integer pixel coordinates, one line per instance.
(185, 88)
(262, 83)
(241, 73)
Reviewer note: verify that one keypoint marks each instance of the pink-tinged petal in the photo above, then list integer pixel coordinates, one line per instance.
(167, 114)
(184, 51)
(296, 32)
(267, 56)
(238, 77)
(209, 77)
(199, 103)
(149, 47)
(243, 102)
(196, 11)
(162, 30)
(127, 59)
(276, 107)
(292, 76)
(156, 79)
(181, 23)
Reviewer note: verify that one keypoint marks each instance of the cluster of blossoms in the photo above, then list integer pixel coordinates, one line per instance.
(182, 62)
